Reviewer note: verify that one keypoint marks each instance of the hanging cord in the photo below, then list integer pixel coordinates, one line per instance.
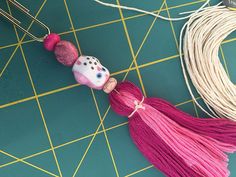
(204, 33)
(150, 13)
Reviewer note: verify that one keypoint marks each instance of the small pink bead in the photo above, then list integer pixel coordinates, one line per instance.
(50, 41)
(66, 53)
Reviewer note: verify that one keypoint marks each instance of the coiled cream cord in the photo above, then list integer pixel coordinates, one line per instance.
(202, 36)
(204, 33)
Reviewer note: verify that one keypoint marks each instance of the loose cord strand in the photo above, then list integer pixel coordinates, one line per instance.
(149, 13)
(199, 44)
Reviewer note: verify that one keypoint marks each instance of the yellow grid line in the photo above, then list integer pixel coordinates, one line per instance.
(62, 145)
(177, 46)
(81, 138)
(224, 60)
(87, 149)
(107, 23)
(28, 164)
(94, 98)
(172, 27)
(108, 108)
(24, 158)
(75, 85)
(141, 66)
(91, 142)
(141, 170)
(169, 8)
(19, 42)
(35, 93)
(176, 41)
(111, 22)
(72, 26)
(105, 134)
(131, 48)
(41, 112)
(159, 61)
(142, 43)
(8, 61)
(17, 102)
(156, 61)
(9, 45)
(150, 166)
(228, 41)
(90, 135)
(19, 45)
(186, 102)
(116, 21)
(94, 26)
(195, 109)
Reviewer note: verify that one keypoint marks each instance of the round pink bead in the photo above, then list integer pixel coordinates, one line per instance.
(50, 41)
(66, 53)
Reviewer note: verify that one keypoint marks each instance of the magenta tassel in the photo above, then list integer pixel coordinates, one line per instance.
(173, 141)
(157, 151)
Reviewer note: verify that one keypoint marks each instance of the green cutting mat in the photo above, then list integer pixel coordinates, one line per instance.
(50, 126)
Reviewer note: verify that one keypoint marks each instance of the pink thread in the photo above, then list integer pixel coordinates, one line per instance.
(222, 129)
(203, 153)
(171, 144)
(138, 105)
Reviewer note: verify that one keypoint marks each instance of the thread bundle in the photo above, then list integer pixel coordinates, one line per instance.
(204, 33)
(206, 28)
(175, 142)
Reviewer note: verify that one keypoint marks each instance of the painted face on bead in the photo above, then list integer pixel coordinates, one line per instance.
(89, 71)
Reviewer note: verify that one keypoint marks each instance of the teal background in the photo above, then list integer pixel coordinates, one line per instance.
(51, 126)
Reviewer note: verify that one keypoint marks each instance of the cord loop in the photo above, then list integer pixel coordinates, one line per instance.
(138, 105)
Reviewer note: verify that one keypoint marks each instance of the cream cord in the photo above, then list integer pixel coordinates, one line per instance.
(204, 33)
(147, 12)
(138, 105)
(200, 40)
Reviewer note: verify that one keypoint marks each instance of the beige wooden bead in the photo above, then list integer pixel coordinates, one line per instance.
(110, 85)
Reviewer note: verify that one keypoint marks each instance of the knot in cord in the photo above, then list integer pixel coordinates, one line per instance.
(138, 105)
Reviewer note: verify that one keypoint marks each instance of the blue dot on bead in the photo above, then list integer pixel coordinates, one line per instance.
(99, 75)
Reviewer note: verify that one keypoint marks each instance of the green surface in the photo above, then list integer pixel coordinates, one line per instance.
(49, 124)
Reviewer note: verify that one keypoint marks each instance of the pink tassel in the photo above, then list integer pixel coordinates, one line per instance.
(174, 142)
(222, 130)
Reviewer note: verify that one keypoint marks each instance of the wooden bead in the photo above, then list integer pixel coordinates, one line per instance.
(110, 85)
